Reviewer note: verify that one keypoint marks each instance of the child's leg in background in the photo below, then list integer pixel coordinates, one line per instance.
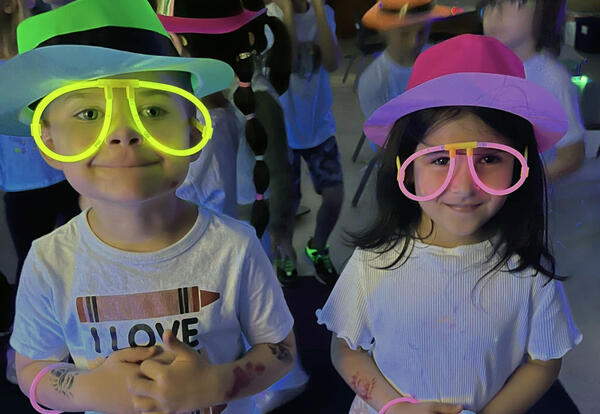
(326, 173)
(296, 195)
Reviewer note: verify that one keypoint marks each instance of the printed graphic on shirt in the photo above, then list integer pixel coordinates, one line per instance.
(97, 312)
(143, 305)
(309, 60)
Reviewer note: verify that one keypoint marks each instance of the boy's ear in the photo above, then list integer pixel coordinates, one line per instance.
(57, 165)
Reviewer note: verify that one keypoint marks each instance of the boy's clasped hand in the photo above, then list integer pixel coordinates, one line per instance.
(163, 379)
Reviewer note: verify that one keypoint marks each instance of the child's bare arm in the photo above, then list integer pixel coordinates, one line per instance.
(190, 382)
(330, 53)
(270, 361)
(288, 20)
(359, 371)
(525, 386)
(68, 388)
(568, 160)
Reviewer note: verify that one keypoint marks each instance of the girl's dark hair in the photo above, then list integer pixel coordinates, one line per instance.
(521, 221)
(548, 25)
(278, 59)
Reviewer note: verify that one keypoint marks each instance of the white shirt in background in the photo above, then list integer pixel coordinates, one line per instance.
(212, 178)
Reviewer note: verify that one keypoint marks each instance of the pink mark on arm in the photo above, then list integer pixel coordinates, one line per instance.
(363, 387)
(242, 377)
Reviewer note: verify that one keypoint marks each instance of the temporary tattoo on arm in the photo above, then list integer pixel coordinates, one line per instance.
(62, 380)
(281, 352)
(363, 387)
(242, 377)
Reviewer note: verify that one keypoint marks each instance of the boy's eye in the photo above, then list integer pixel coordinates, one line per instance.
(88, 114)
(153, 112)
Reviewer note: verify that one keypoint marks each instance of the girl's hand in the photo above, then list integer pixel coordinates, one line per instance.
(108, 378)
(179, 380)
(425, 408)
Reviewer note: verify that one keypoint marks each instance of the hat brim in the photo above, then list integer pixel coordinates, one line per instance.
(375, 19)
(209, 25)
(30, 76)
(507, 93)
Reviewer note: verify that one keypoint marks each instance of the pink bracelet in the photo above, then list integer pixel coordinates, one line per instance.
(396, 401)
(33, 386)
(244, 84)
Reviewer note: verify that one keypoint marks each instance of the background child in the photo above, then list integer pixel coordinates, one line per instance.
(534, 31)
(405, 35)
(238, 45)
(140, 262)
(451, 295)
(387, 76)
(310, 125)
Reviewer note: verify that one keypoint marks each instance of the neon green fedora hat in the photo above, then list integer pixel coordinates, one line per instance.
(91, 39)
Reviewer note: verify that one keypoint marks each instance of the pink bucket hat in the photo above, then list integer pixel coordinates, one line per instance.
(472, 70)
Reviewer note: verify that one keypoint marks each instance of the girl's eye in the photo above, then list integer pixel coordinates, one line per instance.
(442, 161)
(88, 114)
(489, 159)
(153, 112)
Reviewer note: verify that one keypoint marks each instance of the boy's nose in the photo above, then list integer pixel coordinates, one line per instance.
(122, 129)
(125, 136)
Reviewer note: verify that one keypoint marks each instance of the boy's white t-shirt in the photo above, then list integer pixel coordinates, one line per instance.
(307, 103)
(437, 335)
(81, 297)
(212, 178)
(546, 71)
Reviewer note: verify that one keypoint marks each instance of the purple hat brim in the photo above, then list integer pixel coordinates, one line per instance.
(507, 93)
(208, 25)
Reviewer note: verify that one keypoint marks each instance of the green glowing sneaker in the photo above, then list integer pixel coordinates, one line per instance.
(325, 272)
(286, 272)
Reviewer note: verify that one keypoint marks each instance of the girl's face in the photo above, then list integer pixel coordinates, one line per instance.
(461, 211)
(510, 21)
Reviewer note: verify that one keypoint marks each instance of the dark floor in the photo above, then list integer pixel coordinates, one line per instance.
(326, 393)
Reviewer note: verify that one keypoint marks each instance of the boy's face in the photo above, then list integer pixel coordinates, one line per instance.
(510, 21)
(126, 169)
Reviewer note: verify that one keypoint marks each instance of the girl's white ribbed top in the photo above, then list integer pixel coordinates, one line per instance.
(438, 335)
